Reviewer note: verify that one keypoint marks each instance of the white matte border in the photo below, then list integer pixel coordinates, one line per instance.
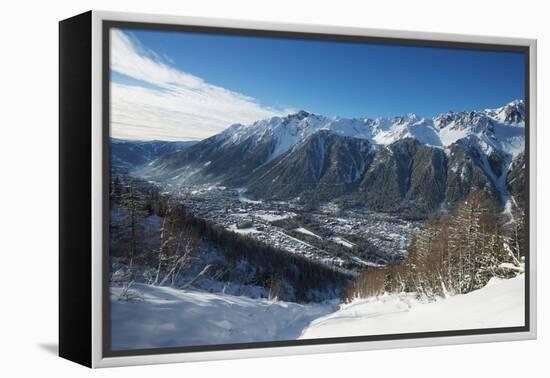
(97, 188)
(97, 192)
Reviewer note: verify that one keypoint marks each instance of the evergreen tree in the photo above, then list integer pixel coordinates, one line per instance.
(132, 203)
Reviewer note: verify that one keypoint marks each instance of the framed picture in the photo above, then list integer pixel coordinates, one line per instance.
(235, 189)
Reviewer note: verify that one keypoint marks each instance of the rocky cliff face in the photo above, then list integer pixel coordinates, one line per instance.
(516, 181)
(325, 166)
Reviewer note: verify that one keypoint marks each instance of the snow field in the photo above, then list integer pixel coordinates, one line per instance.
(499, 304)
(167, 317)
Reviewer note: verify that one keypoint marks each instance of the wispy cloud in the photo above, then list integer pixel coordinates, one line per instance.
(165, 103)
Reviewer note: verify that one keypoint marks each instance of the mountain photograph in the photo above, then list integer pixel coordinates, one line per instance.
(395, 204)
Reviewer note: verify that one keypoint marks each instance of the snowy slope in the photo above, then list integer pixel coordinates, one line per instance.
(166, 317)
(499, 304)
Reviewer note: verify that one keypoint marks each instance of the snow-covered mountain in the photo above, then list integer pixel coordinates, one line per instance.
(502, 126)
(390, 164)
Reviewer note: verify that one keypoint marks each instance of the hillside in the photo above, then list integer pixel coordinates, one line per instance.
(164, 317)
(167, 317)
(499, 304)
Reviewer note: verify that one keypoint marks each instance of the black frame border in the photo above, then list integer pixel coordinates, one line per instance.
(75, 189)
(107, 25)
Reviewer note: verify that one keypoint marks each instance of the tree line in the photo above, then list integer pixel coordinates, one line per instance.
(452, 254)
(182, 240)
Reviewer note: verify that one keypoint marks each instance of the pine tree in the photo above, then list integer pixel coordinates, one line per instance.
(132, 203)
(116, 189)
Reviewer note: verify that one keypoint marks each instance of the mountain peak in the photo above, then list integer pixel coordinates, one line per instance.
(511, 113)
(301, 114)
(407, 118)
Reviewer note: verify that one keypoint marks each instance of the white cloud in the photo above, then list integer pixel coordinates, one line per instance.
(172, 105)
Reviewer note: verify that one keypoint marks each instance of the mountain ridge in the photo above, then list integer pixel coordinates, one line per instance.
(128, 154)
(438, 131)
(397, 164)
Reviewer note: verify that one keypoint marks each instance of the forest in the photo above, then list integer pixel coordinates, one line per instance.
(156, 241)
(453, 253)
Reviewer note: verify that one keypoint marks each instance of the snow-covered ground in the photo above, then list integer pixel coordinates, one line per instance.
(244, 231)
(343, 242)
(307, 232)
(499, 304)
(272, 217)
(166, 317)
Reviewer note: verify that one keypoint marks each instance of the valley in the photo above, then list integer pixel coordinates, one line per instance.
(351, 239)
(350, 193)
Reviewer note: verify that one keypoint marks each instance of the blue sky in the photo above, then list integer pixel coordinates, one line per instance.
(274, 76)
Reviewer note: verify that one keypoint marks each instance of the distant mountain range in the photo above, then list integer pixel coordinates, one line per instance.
(404, 164)
(127, 155)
